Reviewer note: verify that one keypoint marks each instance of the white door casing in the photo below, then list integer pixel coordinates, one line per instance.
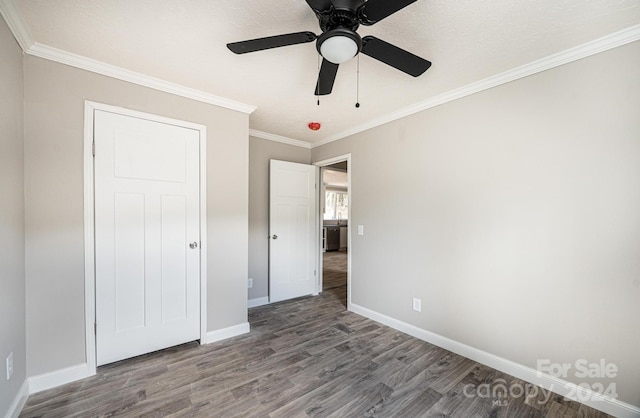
(147, 212)
(324, 163)
(293, 232)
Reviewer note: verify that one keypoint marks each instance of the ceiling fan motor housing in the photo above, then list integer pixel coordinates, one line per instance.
(342, 14)
(352, 5)
(339, 24)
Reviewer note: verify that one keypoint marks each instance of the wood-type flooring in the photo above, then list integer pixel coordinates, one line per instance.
(304, 357)
(334, 269)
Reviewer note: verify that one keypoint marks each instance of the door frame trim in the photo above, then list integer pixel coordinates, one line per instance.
(320, 164)
(89, 220)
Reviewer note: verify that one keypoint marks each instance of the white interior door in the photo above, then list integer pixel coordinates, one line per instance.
(293, 228)
(147, 236)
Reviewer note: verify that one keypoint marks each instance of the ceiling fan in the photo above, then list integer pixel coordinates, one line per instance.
(339, 42)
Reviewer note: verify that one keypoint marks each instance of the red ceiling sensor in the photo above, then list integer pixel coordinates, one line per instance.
(314, 126)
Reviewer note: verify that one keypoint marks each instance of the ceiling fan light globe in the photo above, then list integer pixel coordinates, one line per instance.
(338, 49)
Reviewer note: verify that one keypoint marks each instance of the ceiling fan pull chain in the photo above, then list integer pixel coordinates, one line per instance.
(358, 82)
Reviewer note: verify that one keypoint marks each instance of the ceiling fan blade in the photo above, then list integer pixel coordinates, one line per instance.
(327, 76)
(319, 5)
(374, 11)
(269, 42)
(396, 57)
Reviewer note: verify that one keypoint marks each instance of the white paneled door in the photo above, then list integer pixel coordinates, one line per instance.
(147, 235)
(293, 229)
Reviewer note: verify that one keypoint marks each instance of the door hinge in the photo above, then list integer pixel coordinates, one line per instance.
(95, 328)
(314, 272)
(93, 148)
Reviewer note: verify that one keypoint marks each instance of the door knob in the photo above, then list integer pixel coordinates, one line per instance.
(274, 236)
(193, 245)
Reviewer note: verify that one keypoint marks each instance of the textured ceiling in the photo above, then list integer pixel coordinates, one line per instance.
(183, 41)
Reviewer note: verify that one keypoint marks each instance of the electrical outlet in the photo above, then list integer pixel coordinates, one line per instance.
(417, 305)
(250, 283)
(9, 365)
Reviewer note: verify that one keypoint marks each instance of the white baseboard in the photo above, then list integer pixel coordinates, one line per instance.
(562, 387)
(18, 403)
(258, 302)
(223, 334)
(59, 377)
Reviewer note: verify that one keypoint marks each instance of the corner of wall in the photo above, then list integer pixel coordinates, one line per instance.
(12, 216)
(225, 333)
(18, 403)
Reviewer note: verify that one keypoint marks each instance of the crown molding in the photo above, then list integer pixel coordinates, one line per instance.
(278, 138)
(16, 24)
(78, 61)
(20, 31)
(596, 46)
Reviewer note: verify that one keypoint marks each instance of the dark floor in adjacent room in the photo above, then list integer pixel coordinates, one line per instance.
(334, 269)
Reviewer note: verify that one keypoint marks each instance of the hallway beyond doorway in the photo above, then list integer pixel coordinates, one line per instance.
(334, 269)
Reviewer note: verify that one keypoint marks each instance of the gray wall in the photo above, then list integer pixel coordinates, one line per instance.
(54, 120)
(516, 217)
(12, 287)
(260, 152)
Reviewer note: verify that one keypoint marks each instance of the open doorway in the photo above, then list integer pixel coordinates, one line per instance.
(334, 228)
